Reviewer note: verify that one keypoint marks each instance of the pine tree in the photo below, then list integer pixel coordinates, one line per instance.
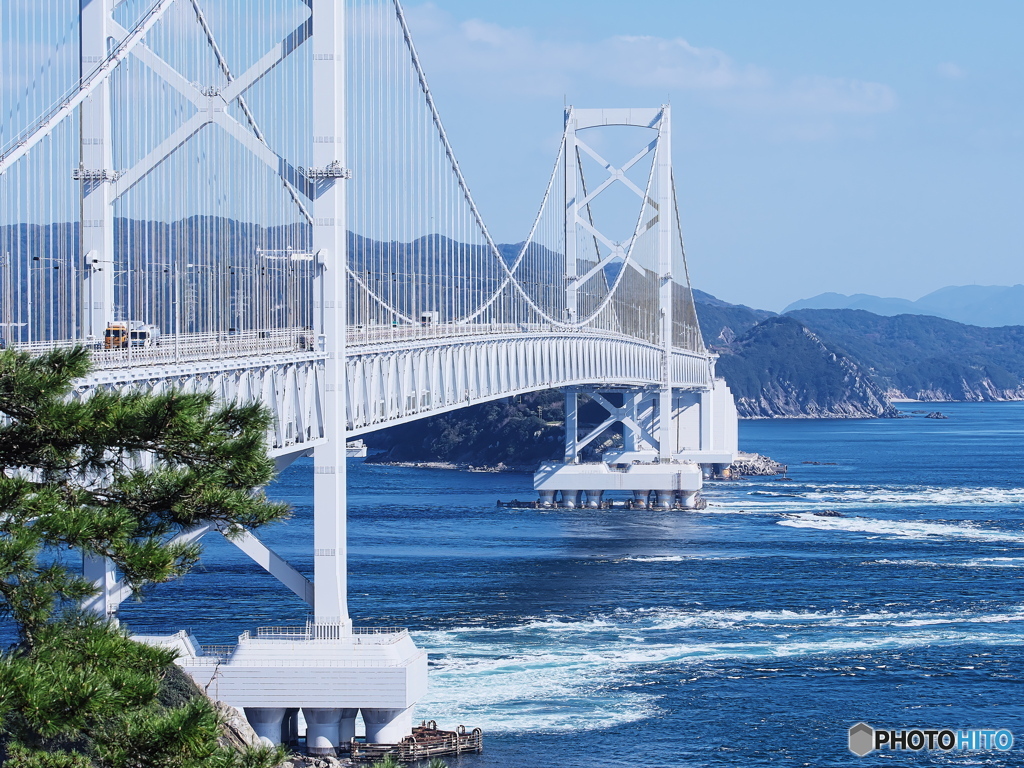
(115, 475)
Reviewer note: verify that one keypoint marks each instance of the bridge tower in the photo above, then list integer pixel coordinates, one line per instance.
(328, 670)
(186, 172)
(673, 431)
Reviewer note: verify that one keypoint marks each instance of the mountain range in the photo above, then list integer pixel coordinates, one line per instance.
(985, 305)
(851, 362)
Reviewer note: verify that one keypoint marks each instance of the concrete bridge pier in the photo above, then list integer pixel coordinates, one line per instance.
(387, 726)
(268, 723)
(665, 499)
(290, 730)
(688, 499)
(695, 427)
(328, 730)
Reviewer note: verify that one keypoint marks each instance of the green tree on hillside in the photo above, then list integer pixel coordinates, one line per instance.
(115, 475)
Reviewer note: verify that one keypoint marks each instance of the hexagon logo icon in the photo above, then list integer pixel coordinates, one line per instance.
(862, 739)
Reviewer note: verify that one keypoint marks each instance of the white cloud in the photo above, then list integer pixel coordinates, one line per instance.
(840, 95)
(663, 63)
(520, 63)
(950, 70)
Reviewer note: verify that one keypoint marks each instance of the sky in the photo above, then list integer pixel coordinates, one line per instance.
(869, 147)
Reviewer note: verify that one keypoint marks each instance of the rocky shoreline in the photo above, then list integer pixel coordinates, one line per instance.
(499, 467)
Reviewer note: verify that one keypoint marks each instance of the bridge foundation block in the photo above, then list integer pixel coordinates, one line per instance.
(331, 676)
(665, 481)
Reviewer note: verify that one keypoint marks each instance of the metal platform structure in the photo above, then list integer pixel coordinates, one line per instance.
(262, 197)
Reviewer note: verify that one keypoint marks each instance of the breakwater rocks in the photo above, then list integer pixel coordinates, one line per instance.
(499, 467)
(754, 464)
(309, 761)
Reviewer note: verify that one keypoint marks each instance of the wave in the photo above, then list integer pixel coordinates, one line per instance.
(976, 562)
(801, 496)
(563, 674)
(912, 529)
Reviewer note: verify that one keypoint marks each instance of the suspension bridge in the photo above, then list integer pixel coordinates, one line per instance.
(259, 198)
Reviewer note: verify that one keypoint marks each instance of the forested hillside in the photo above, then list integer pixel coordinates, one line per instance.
(780, 368)
(927, 358)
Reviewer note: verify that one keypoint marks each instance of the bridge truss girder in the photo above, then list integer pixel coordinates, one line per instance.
(390, 386)
(701, 422)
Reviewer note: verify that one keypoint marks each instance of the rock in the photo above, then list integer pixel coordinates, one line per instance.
(236, 733)
(308, 761)
(753, 464)
(936, 415)
(828, 513)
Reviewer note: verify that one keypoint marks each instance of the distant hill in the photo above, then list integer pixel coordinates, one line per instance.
(927, 358)
(985, 305)
(721, 322)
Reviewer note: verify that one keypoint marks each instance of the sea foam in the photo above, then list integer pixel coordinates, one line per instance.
(561, 674)
(913, 529)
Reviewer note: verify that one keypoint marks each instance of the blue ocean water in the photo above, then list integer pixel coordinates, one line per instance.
(750, 633)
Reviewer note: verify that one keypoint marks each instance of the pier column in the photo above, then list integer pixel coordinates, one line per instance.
(666, 430)
(571, 426)
(100, 572)
(330, 606)
(688, 499)
(329, 729)
(290, 727)
(387, 726)
(707, 416)
(267, 722)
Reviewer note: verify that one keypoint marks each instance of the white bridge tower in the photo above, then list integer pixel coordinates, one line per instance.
(683, 426)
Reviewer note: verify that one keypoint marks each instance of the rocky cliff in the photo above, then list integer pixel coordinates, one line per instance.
(779, 368)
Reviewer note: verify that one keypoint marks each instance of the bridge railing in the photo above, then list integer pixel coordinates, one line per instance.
(359, 335)
(204, 347)
(188, 347)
